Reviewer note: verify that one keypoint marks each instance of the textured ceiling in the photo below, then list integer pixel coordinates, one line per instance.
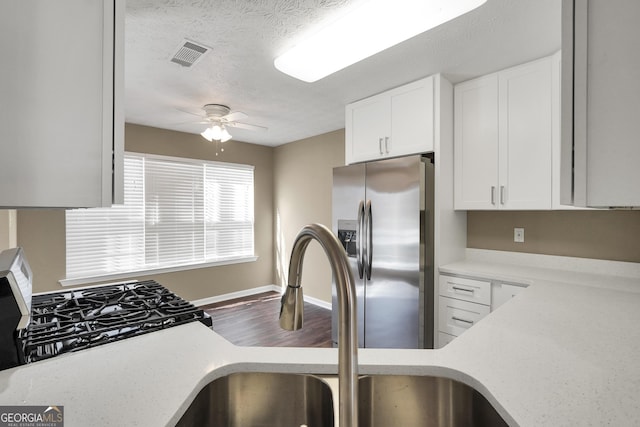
(245, 37)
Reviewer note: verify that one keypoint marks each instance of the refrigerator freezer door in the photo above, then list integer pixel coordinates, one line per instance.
(392, 304)
(348, 193)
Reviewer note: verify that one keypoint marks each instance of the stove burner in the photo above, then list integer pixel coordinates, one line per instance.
(119, 317)
(79, 319)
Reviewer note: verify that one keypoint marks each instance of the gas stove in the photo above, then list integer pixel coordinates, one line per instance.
(38, 327)
(65, 322)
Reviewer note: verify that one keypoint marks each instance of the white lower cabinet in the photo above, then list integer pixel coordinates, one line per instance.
(456, 316)
(444, 339)
(464, 301)
(503, 292)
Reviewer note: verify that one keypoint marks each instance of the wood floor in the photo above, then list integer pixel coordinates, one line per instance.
(253, 321)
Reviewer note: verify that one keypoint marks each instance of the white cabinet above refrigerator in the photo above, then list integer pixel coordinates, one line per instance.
(395, 123)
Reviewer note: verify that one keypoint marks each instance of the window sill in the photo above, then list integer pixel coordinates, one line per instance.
(132, 274)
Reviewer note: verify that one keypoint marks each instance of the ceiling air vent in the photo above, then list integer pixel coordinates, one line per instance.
(189, 53)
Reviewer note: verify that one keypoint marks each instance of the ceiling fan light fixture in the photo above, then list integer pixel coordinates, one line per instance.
(224, 135)
(370, 28)
(207, 134)
(216, 133)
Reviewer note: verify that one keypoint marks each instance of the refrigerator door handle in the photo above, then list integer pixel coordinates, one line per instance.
(359, 240)
(369, 240)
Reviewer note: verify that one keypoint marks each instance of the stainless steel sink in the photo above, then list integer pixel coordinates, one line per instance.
(273, 399)
(262, 399)
(424, 401)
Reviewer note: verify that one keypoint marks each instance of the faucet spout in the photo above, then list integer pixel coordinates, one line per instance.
(291, 312)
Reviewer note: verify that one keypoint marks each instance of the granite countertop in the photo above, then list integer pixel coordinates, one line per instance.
(559, 353)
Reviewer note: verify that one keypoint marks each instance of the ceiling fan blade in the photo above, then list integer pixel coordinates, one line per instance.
(192, 122)
(247, 126)
(191, 112)
(234, 115)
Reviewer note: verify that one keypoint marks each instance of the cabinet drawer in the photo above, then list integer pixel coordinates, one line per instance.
(444, 339)
(457, 316)
(471, 290)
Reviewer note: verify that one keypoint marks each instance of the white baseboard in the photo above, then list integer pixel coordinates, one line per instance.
(318, 302)
(238, 294)
(254, 291)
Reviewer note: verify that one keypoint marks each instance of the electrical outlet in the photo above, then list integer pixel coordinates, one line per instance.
(518, 235)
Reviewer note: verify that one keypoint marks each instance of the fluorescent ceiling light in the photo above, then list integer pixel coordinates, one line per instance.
(370, 28)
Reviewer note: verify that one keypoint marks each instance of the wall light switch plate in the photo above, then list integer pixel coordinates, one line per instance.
(518, 235)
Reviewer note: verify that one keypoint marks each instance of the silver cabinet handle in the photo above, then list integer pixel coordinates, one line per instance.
(462, 320)
(380, 145)
(502, 198)
(387, 144)
(457, 288)
(493, 195)
(359, 247)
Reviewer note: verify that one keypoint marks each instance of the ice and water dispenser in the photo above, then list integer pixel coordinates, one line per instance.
(347, 234)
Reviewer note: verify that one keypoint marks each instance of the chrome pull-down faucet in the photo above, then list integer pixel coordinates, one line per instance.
(291, 312)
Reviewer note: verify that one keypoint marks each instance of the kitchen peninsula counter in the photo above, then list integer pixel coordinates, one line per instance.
(559, 353)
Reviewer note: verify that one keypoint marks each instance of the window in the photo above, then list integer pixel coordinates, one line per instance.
(176, 212)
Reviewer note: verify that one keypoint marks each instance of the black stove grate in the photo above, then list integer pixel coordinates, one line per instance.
(78, 319)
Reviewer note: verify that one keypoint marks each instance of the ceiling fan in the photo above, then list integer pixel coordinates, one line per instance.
(220, 117)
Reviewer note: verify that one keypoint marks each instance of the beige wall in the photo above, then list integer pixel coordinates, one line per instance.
(303, 179)
(611, 235)
(42, 232)
(8, 230)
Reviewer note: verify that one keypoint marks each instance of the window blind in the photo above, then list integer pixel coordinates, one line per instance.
(176, 212)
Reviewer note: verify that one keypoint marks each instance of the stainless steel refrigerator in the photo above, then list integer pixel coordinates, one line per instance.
(383, 216)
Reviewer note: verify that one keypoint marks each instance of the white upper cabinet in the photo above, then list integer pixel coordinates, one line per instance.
(526, 134)
(368, 124)
(394, 123)
(504, 133)
(600, 103)
(476, 143)
(61, 84)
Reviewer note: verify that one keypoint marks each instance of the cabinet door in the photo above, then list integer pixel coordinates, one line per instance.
(603, 38)
(476, 143)
(503, 292)
(57, 94)
(444, 339)
(526, 134)
(367, 126)
(412, 109)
